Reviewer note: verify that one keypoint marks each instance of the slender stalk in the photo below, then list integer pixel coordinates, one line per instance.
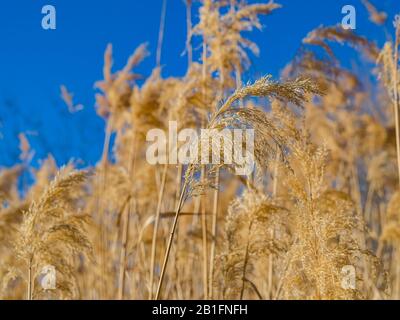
(214, 235)
(270, 257)
(282, 278)
(246, 260)
(178, 270)
(171, 237)
(161, 32)
(369, 203)
(270, 271)
(30, 280)
(155, 230)
(275, 174)
(397, 283)
(106, 144)
(396, 112)
(189, 31)
(178, 183)
(122, 265)
(125, 227)
(396, 99)
(254, 287)
(121, 278)
(204, 239)
(203, 197)
(194, 223)
(100, 204)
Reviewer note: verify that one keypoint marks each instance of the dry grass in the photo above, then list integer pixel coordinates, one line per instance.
(324, 194)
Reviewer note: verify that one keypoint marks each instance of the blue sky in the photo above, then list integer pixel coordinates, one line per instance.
(35, 62)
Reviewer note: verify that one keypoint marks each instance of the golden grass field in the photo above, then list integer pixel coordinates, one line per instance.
(322, 205)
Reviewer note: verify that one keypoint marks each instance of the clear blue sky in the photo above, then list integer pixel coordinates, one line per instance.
(35, 62)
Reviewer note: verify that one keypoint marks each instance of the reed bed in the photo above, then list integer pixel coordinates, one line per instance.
(324, 196)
